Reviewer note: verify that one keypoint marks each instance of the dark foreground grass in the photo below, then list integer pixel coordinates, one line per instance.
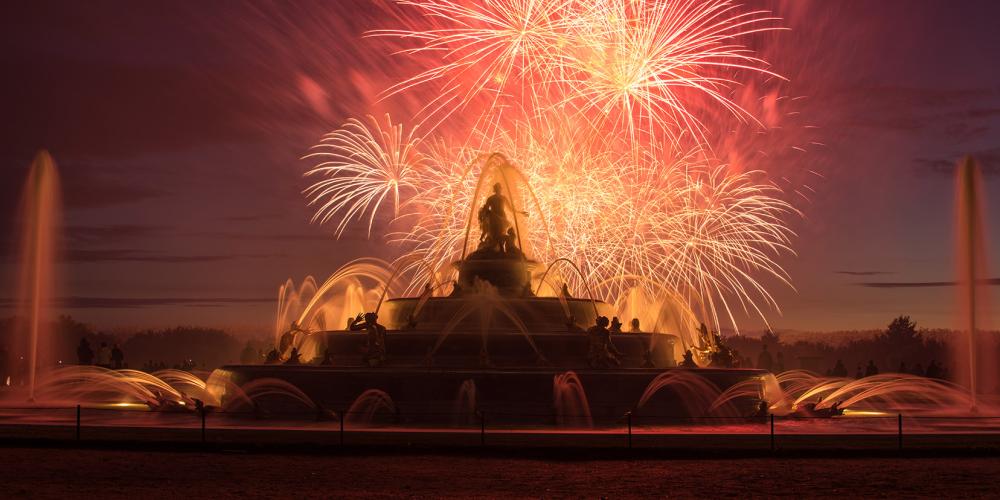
(58, 472)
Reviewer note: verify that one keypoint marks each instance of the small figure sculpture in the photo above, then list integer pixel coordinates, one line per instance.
(602, 352)
(688, 360)
(616, 326)
(294, 357)
(375, 343)
(510, 245)
(327, 358)
(634, 328)
(565, 291)
(272, 357)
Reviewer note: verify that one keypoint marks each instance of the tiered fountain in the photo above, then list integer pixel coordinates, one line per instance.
(524, 356)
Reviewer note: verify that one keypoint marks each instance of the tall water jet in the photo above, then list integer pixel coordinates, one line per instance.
(39, 223)
(972, 268)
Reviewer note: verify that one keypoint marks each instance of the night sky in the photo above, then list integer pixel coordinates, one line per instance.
(177, 128)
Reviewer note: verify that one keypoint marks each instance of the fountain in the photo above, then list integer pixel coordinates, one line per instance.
(40, 217)
(483, 329)
(972, 267)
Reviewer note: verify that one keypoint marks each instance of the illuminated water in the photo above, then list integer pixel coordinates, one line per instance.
(40, 218)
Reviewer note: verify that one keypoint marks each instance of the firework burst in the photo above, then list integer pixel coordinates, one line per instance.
(603, 113)
(362, 167)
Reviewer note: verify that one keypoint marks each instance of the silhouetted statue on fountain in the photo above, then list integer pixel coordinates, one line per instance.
(327, 358)
(634, 326)
(493, 221)
(375, 343)
(273, 357)
(510, 248)
(294, 358)
(499, 259)
(286, 338)
(602, 352)
(688, 361)
(616, 326)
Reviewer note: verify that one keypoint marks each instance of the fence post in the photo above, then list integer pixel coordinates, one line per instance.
(482, 428)
(899, 420)
(628, 416)
(77, 422)
(772, 432)
(343, 416)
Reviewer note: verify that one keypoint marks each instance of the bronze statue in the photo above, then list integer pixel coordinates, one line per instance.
(375, 342)
(493, 219)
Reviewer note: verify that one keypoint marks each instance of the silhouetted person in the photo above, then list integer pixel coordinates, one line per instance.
(248, 355)
(375, 342)
(3, 366)
(839, 370)
(84, 354)
(294, 357)
(933, 370)
(858, 374)
(871, 369)
(104, 356)
(616, 326)
(764, 360)
(688, 361)
(779, 364)
(634, 326)
(117, 358)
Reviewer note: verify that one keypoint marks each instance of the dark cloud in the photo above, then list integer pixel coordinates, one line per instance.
(989, 161)
(266, 236)
(135, 303)
(94, 234)
(252, 217)
(924, 284)
(863, 273)
(130, 255)
(958, 113)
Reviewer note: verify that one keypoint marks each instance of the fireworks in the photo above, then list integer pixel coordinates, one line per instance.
(602, 109)
(362, 167)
